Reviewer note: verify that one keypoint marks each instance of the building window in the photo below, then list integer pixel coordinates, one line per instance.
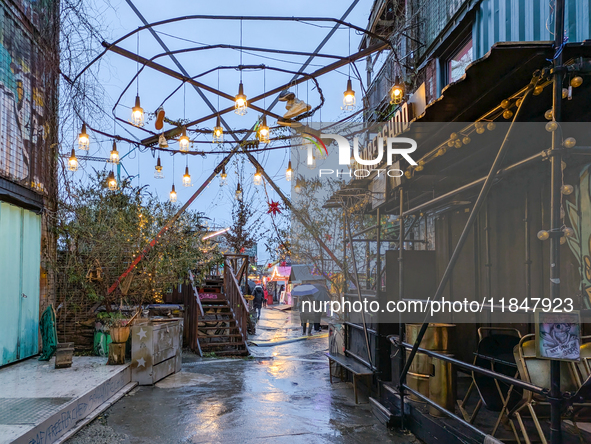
(459, 61)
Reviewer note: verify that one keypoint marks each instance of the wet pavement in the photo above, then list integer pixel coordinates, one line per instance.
(280, 394)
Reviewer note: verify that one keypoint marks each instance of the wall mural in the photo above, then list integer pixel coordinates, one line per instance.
(23, 111)
(578, 212)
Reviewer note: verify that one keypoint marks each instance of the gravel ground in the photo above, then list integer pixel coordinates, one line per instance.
(97, 432)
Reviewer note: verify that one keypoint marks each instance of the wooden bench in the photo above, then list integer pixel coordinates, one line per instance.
(350, 364)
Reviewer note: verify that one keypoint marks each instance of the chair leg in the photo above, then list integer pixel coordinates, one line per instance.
(522, 427)
(355, 387)
(537, 423)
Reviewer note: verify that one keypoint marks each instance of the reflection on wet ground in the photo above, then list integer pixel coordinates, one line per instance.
(280, 394)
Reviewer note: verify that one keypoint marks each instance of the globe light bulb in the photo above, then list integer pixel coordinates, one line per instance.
(567, 189)
(576, 81)
(569, 142)
(491, 126)
(549, 115)
(543, 235)
(569, 232)
(551, 126)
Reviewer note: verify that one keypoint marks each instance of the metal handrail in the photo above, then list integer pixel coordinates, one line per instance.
(473, 368)
(236, 300)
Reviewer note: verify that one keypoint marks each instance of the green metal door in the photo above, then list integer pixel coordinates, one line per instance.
(20, 254)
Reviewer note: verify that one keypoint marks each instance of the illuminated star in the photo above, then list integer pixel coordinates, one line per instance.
(328, 237)
(273, 208)
(141, 333)
(141, 362)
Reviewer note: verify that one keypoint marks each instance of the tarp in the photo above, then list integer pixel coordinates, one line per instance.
(48, 333)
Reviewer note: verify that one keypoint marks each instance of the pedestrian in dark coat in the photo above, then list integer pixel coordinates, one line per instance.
(258, 299)
(306, 314)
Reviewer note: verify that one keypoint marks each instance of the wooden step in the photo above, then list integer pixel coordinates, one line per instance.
(213, 305)
(243, 352)
(220, 336)
(218, 328)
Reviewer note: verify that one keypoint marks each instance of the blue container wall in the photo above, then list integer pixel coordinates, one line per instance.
(526, 20)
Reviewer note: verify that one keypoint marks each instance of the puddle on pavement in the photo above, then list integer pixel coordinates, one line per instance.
(184, 379)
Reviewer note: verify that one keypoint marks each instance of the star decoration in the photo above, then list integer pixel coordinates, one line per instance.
(273, 208)
(328, 237)
(242, 250)
(141, 362)
(141, 333)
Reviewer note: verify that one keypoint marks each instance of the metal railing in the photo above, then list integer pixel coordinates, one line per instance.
(236, 300)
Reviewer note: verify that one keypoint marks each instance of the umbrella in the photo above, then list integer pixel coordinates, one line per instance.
(304, 290)
(322, 294)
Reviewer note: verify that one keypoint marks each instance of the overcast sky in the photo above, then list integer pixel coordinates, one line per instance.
(154, 87)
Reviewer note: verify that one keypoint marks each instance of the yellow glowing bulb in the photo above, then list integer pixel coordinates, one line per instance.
(73, 161)
(172, 196)
(543, 235)
(137, 113)
(83, 139)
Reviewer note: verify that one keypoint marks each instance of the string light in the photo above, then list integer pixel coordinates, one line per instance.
(298, 186)
(238, 193)
(349, 97)
(551, 126)
(576, 81)
(491, 126)
(83, 139)
(73, 161)
(288, 172)
(184, 141)
(223, 177)
(569, 142)
(258, 177)
(263, 132)
(479, 127)
(158, 174)
(114, 156)
(111, 181)
(186, 178)
(566, 189)
(240, 105)
(218, 132)
(543, 235)
(172, 195)
(137, 113)
(397, 92)
(549, 115)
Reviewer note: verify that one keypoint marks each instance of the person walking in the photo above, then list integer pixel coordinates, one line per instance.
(266, 295)
(258, 299)
(306, 315)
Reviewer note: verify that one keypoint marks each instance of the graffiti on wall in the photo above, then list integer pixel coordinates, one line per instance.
(23, 110)
(578, 214)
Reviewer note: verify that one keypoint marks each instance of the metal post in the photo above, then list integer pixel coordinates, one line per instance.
(402, 350)
(555, 184)
(378, 256)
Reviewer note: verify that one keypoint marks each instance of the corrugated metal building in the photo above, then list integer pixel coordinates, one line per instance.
(28, 121)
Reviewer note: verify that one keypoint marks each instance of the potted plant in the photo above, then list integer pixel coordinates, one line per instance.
(115, 324)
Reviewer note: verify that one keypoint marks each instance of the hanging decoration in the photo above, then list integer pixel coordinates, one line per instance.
(258, 177)
(137, 113)
(114, 156)
(83, 139)
(111, 181)
(241, 105)
(349, 97)
(397, 92)
(186, 177)
(158, 174)
(184, 141)
(172, 196)
(263, 132)
(273, 208)
(218, 132)
(288, 172)
(238, 194)
(73, 161)
(223, 177)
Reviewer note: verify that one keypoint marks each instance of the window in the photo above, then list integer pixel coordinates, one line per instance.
(457, 64)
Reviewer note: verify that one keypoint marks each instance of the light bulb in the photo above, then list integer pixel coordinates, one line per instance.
(507, 114)
(263, 132)
(453, 136)
(218, 132)
(184, 141)
(172, 195)
(543, 235)
(223, 177)
(158, 174)
(111, 181)
(549, 115)
(73, 161)
(569, 142)
(569, 232)
(397, 92)
(551, 126)
(567, 189)
(491, 126)
(564, 93)
(288, 172)
(83, 139)
(440, 152)
(538, 90)
(505, 104)
(562, 240)
(408, 174)
(257, 178)
(466, 140)
(186, 178)
(458, 143)
(576, 81)
(298, 187)
(349, 97)
(238, 194)
(240, 103)
(137, 113)
(114, 156)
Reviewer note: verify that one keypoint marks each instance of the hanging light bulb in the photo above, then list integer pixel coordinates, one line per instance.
(479, 127)
(114, 157)
(288, 172)
(551, 126)
(73, 161)
(218, 131)
(491, 126)
(83, 139)
(186, 178)
(298, 186)
(263, 132)
(507, 114)
(238, 194)
(158, 174)
(349, 97)
(569, 142)
(569, 232)
(111, 181)
(240, 105)
(466, 140)
(564, 93)
(397, 92)
(567, 189)
(137, 113)
(258, 177)
(172, 195)
(184, 141)
(549, 114)
(576, 81)
(311, 162)
(223, 177)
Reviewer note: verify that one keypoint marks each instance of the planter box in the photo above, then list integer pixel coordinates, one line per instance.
(156, 349)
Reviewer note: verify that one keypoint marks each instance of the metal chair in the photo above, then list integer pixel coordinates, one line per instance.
(537, 371)
(495, 351)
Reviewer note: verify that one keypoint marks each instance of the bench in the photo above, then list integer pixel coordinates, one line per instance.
(350, 364)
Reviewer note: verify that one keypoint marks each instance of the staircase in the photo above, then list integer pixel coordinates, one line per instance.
(218, 329)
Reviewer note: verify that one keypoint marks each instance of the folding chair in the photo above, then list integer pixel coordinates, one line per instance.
(495, 352)
(537, 372)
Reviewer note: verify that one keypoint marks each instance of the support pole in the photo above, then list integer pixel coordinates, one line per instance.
(555, 184)
(402, 350)
(488, 183)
